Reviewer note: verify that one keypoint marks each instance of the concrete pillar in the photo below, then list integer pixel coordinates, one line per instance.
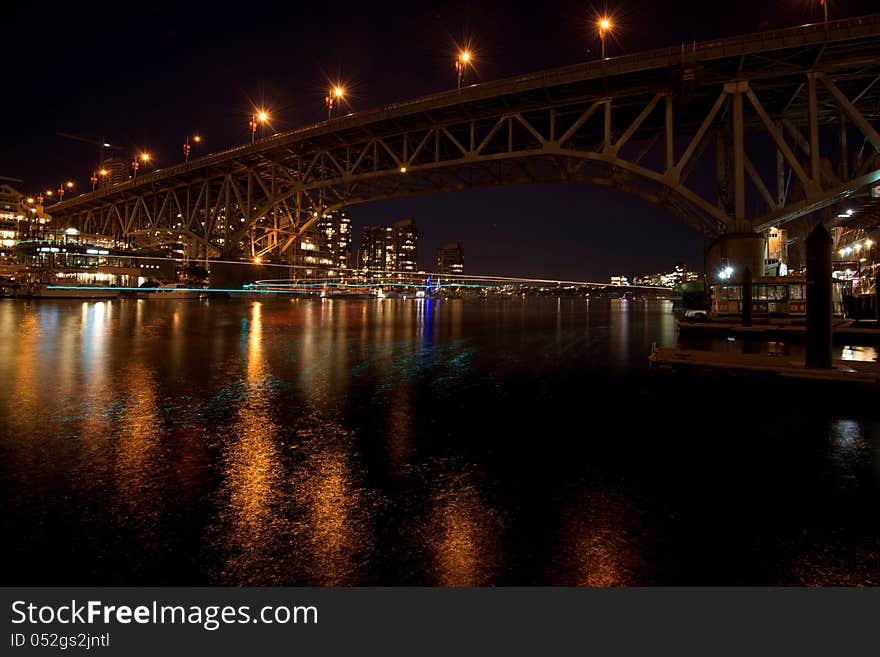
(231, 275)
(740, 251)
(818, 247)
(876, 298)
(747, 297)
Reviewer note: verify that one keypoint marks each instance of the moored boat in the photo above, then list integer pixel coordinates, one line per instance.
(42, 291)
(173, 291)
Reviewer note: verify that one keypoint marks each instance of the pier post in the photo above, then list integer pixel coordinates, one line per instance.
(747, 297)
(818, 251)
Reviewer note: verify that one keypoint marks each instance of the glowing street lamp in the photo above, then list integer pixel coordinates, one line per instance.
(259, 118)
(464, 59)
(186, 146)
(135, 165)
(334, 96)
(605, 26)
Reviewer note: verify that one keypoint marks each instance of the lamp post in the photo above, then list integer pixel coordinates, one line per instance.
(135, 165)
(464, 59)
(258, 118)
(62, 189)
(186, 145)
(333, 97)
(605, 25)
(824, 4)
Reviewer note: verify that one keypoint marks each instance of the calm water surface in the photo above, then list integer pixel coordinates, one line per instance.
(350, 442)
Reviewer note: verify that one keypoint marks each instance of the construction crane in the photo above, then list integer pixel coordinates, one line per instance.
(101, 142)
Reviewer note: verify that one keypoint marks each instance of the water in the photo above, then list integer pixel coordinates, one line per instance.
(348, 442)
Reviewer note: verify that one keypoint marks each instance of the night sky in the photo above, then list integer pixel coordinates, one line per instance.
(146, 74)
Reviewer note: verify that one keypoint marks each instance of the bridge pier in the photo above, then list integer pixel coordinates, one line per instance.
(740, 251)
(233, 275)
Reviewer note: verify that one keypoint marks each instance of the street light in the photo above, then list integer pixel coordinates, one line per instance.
(824, 4)
(334, 96)
(464, 59)
(186, 146)
(605, 25)
(61, 190)
(135, 165)
(260, 117)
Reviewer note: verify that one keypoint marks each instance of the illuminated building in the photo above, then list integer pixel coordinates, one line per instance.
(12, 213)
(374, 251)
(118, 170)
(324, 249)
(405, 238)
(450, 260)
(775, 252)
(390, 250)
(334, 233)
(679, 275)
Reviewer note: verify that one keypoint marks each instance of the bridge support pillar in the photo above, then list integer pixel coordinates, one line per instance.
(233, 275)
(740, 251)
(819, 307)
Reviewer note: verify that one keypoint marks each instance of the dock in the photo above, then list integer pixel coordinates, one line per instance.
(864, 373)
(843, 331)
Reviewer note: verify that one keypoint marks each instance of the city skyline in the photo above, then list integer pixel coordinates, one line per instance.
(134, 103)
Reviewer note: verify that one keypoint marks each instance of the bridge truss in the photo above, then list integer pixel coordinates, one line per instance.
(733, 135)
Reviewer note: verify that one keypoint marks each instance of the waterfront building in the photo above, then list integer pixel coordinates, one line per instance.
(405, 239)
(12, 213)
(374, 252)
(334, 231)
(450, 260)
(776, 252)
(619, 281)
(390, 252)
(323, 251)
(676, 278)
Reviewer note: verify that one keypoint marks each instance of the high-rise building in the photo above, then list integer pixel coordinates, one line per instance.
(324, 248)
(450, 260)
(390, 251)
(406, 239)
(334, 232)
(12, 214)
(118, 170)
(374, 251)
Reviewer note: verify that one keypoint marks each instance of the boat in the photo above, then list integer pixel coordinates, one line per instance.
(172, 291)
(43, 291)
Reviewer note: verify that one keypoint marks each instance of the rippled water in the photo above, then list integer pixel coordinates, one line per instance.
(351, 442)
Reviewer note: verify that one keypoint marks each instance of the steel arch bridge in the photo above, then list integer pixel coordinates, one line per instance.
(782, 121)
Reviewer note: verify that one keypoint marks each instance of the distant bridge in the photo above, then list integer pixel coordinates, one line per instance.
(641, 123)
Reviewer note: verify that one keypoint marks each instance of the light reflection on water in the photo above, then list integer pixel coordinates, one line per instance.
(452, 443)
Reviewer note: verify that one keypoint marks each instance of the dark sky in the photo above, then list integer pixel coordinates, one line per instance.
(145, 74)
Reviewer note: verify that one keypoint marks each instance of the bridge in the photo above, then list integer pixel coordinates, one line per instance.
(731, 136)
